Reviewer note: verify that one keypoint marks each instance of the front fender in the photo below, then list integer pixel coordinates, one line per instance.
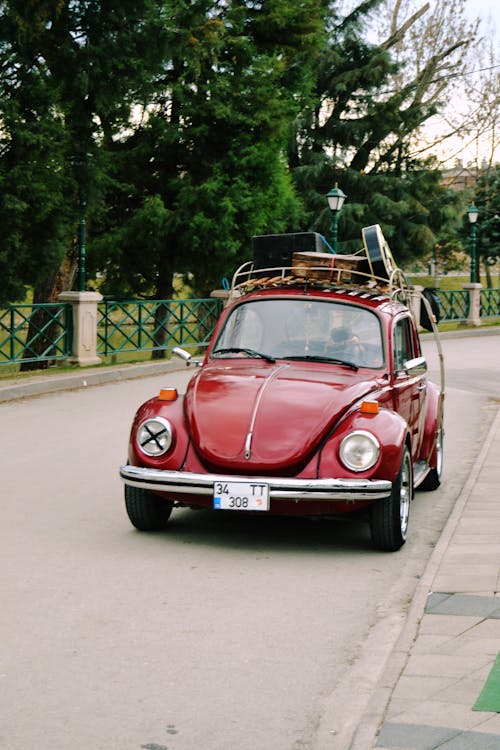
(433, 418)
(174, 412)
(391, 432)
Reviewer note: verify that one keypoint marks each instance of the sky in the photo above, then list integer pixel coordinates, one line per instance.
(489, 13)
(484, 8)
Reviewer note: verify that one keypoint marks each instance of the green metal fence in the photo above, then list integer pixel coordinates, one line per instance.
(489, 303)
(40, 333)
(454, 304)
(144, 325)
(35, 333)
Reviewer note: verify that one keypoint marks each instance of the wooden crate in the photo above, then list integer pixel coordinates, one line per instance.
(330, 267)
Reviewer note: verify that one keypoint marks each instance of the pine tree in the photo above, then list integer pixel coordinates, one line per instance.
(70, 75)
(206, 169)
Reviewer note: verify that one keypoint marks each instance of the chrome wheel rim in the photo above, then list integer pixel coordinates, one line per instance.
(439, 452)
(405, 495)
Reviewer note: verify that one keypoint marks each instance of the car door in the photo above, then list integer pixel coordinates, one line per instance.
(409, 383)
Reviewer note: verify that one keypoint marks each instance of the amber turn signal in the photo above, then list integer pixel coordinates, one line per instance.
(167, 394)
(369, 407)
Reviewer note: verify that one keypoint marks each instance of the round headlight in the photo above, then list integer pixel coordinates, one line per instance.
(155, 436)
(359, 451)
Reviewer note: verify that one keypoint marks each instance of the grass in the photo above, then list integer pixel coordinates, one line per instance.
(460, 325)
(449, 282)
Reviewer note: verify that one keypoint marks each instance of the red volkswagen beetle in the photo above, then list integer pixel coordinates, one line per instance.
(312, 399)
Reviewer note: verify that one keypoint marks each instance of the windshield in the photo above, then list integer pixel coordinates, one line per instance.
(302, 329)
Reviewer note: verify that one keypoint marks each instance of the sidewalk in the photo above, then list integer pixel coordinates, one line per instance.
(441, 684)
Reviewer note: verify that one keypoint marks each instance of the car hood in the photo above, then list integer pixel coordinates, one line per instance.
(262, 417)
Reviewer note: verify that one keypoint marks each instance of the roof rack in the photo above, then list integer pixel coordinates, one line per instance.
(249, 278)
(296, 260)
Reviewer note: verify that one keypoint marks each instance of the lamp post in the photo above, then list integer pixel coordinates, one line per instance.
(335, 198)
(81, 172)
(82, 231)
(472, 213)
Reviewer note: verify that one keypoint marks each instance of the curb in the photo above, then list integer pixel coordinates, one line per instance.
(458, 334)
(44, 384)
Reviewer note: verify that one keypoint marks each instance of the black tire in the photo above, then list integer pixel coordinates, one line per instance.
(147, 511)
(433, 479)
(389, 517)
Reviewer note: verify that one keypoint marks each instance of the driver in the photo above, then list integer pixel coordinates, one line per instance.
(343, 338)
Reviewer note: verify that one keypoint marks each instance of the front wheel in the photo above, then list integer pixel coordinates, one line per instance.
(146, 511)
(389, 517)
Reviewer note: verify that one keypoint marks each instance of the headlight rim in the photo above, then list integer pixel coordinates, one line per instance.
(376, 450)
(168, 430)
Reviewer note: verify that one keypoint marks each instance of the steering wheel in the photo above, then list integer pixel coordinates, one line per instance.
(350, 350)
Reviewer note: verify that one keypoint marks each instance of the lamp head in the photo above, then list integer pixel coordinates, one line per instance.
(335, 198)
(472, 213)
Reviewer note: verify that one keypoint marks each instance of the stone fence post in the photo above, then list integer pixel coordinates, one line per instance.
(84, 350)
(474, 317)
(416, 302)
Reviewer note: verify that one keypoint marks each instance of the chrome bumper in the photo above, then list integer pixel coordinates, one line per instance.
(191, 483)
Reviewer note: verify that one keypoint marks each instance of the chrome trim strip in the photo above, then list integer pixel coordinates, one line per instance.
(273, 375)
(192, 483)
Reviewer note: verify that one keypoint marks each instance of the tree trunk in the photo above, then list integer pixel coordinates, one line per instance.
(164, 291)
(487, 272)
(47, 291)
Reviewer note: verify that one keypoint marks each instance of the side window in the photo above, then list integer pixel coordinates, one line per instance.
(402, 343)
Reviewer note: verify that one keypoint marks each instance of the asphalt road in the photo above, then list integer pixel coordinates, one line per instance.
(223, 632)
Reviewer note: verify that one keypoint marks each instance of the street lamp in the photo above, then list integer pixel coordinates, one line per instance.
(335, 198)
(472, 213)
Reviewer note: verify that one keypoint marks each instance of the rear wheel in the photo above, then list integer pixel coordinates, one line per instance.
(389, 517)
(433, 478)
(146, 511)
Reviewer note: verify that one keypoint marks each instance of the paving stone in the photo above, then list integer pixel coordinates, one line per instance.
(446, 625)
(471, 741)
(487, 628)
(480, 646)
(465, 644)
(432, 643)
(466, 584)
(463, 604)
(414, 736)
(438, 665)
(478, 569)
(464, 691)
(491, 724)
(479, 539)
(435, 713)
(417, 688)
(457, 557)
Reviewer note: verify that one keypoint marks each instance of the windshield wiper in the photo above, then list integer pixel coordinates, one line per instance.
(243, 350)
(322, 358)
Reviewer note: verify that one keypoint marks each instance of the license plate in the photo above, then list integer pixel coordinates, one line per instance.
(241, 496)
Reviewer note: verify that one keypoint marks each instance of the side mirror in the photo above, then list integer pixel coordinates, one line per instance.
(182, 354)
(415, 367)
